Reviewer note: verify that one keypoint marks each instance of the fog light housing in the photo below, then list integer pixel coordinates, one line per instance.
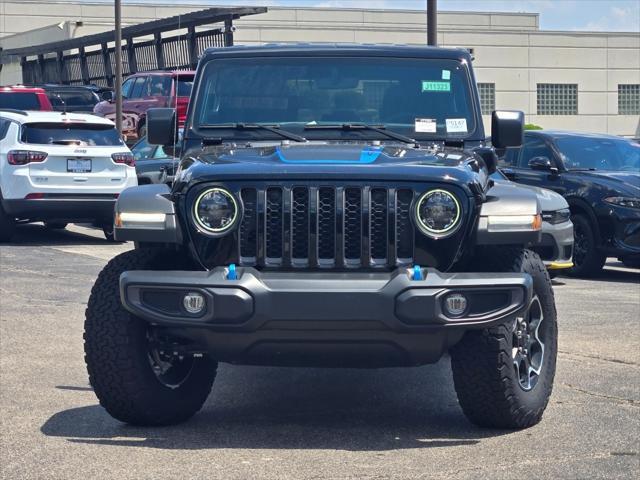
(194, 302)
(455, 304)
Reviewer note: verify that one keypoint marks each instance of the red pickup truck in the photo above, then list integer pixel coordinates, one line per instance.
(24, 98)
(142, 91)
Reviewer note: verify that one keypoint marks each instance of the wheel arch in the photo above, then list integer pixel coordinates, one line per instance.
(146, 214)
(578, 206)
(508, 200)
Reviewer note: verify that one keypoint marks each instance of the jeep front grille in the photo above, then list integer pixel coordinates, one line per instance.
(326, 227)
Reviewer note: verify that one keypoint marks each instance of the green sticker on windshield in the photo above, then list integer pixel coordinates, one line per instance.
(431, 86)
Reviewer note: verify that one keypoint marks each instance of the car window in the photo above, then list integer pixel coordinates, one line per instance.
(126, 87)
(73, 100)
(159, 86)
(510, 158)
(184, 85)
(159, 153)
(138, 87)
(534, 147)
(19, 101)
(82, 134)
(4, 128)
(142, 150)
(592, 153)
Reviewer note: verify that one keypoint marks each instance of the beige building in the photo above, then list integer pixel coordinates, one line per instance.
(588, 81)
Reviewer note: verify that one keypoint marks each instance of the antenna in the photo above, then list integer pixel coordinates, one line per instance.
(64, 104)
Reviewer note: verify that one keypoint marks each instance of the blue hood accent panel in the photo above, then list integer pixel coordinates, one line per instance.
(336, 155)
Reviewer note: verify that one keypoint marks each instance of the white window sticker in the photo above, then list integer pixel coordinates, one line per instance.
(446, 74)
(425, 125)
(456, 125)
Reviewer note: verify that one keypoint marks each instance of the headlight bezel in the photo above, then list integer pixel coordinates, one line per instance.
(217, 232)
(556, 217)
(425, 229)
(623, 201)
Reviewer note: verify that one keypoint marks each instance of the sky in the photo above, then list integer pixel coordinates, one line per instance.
(585, 15)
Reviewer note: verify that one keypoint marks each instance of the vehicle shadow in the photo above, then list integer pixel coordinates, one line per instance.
(36, 235)
(284, 408)
(612, 272)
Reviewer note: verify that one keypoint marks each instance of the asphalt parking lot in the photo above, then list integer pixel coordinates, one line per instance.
(303, 423)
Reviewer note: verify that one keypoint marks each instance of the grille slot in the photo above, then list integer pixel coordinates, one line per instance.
(300, 226)
(378, 226)
(404, 229)
(274, 221)
(352, 225)
(326, 227)
(249, 227)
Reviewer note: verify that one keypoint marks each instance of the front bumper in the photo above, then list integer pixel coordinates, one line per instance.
(621, 231)
(360, 319)
(556, 245)
(70, 208)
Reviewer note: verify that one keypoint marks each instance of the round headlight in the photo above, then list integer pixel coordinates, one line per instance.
(437, 213)
(215, 211)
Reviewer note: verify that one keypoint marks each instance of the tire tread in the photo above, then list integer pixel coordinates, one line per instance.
(488, 392)
(112, 355)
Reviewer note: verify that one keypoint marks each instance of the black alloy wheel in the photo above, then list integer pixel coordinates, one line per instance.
(587, 259)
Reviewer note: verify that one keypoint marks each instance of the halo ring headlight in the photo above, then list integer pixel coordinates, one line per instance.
(438, 213)
(216, 211)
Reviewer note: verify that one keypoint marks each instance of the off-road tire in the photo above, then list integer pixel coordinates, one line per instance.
(483, 372)
(7, 226)
(116, 346)
(591, 262)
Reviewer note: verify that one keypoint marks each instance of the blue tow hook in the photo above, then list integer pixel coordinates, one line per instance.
(231, 272)
(417, 273)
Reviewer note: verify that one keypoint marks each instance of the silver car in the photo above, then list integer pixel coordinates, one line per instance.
(556, 246)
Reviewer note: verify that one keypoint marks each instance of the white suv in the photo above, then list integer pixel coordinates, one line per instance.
(60, 167)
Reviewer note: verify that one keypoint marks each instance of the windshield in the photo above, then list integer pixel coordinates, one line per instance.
(19, 101)
(70, 134)
(415, 97)
(599, 153)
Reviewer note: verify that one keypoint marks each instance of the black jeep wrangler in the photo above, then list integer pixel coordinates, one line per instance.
(332, 207)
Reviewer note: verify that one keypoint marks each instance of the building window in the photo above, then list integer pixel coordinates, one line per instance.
(557, 99)
(629, 99)
(487, 93)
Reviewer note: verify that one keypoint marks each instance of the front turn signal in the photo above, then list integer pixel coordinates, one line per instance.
(537, 223)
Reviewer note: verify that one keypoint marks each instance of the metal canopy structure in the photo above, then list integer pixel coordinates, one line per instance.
(175, 44)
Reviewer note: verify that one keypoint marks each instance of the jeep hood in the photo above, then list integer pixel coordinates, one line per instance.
(334, 161)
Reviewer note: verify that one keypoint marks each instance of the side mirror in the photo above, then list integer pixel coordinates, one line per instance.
(542, 163)
(108, 96)
(507, 128)
(162, 127)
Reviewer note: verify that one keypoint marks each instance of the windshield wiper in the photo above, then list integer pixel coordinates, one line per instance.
(591, 169)
(256, 126)
(381, 129)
